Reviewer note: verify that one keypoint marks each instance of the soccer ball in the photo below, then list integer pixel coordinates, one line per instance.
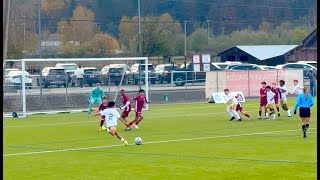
(138, 141)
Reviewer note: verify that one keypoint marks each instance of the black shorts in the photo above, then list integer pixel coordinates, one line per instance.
(304, 112)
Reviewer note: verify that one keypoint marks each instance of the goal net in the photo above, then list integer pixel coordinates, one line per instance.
(33, 86)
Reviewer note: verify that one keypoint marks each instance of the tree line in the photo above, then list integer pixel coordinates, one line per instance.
(82, 35)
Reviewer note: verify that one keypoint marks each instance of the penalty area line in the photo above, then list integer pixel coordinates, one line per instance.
(154, 142)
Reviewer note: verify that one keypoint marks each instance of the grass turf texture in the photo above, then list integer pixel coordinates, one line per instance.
(191, 141)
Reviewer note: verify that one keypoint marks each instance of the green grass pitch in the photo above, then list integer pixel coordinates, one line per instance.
(187, 141)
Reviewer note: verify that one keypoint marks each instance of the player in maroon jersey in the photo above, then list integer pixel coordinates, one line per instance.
(263, 98)
(276, 90)
(126, 106)
(102, 107)
(139, 103)
(240, 107)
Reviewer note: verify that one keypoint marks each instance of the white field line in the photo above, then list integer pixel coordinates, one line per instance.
(86, 121)
(154, 142)
(80, 122)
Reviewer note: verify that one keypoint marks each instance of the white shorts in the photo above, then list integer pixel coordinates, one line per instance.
(110, 123)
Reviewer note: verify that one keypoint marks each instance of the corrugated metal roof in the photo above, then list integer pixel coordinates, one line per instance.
(263, 52)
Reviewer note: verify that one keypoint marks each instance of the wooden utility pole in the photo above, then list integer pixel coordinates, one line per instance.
(6, 13)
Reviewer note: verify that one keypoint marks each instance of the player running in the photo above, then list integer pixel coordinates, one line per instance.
(140, 100)
(111, 116)
(240, 107)
(283, 97)
(263, 98)
(231, 109)
(276, 91)
(297, 88)
(270, 103)
(126, 106)
(102, 107)
(95, 97)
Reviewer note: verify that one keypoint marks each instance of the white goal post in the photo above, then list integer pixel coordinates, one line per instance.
(24, 63)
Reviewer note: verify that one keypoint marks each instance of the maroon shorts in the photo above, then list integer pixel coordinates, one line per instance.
(276, 100)
(263, 103)
(138, 113)
(239, 108)
(125, 113)
(102, 118)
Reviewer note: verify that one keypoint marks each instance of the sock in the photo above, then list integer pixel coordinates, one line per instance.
(278, 109)
(235, 114)
(273, 116)
(267, 114)
(260, 112)
(247, 115)
(307, 126)
(303, 127)
(137, 123)
(90, 108)
(229, 112)
(101, 123)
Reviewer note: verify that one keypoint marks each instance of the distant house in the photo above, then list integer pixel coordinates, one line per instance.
(257, 54)
(306, 51)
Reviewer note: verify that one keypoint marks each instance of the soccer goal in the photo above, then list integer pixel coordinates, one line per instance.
(35, 86)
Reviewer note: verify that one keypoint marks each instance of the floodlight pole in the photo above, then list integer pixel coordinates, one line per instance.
(6, 13)
(39, 26)
(185, 43)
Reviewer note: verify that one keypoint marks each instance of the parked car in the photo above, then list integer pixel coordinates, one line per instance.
(279, 66)
(163, 72)
(137, 74)
(268, 67)
(241, 67)
(91, 76)
(306, 67)
(187, 74)
(115, 73)
(312, 63)
(51, 76)
(224, 65)
(14, 78)
(70, 68)
(6, 71)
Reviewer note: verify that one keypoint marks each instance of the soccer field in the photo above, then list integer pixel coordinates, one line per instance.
(188, 141)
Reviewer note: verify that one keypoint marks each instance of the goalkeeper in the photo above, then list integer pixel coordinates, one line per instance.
(95, 97)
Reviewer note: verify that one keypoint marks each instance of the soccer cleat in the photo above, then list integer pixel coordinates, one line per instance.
(127, 129)
(136, 126)
(259, 117)
(279, 114)
(250, 118)
(304, 133)
(125, 143)
(239, 120)
(232, 119)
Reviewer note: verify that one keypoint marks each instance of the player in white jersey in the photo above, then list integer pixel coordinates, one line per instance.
(270, 103)
(231, 109)
(297, 88)
(111, 120)
(283, 97)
